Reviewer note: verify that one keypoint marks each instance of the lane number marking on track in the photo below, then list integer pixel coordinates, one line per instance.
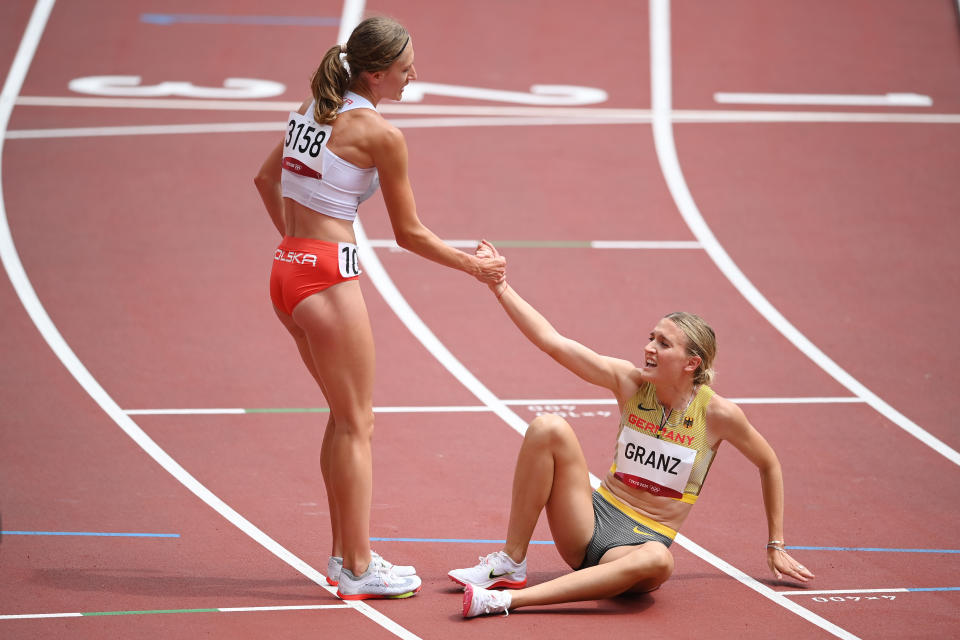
(851, 598)
(252, 88)
(130, 87)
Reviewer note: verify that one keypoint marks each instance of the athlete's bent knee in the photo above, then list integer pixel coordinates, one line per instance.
(548, 426)
(662, 562)
(652, 564)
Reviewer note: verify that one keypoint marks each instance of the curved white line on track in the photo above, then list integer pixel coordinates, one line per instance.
(28, 297)
(661, 91)
(670, 165)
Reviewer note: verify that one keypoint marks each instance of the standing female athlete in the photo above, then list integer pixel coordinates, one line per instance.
(617, 537)
(334, 151)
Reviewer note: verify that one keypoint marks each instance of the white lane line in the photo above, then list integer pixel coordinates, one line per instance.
(31, 616)
(688, 117)
(28, 297)
(157, 103)
(885, 100)
(670, 165)
(184, 412)
(143, 130)
(302, 607)
(547, 404)
(739, 117)
(599, 114)
(389, 243)
(645, 244)
(771, 400)
(661, 92)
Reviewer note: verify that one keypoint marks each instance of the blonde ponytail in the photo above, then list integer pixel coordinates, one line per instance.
(330, 81)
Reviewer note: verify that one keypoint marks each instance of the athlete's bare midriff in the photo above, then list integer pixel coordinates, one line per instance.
(667, 511)
(303, 222)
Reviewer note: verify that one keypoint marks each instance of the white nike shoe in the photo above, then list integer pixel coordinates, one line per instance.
(335, 566)
(480, 602)
(495, 570)
(376, 582)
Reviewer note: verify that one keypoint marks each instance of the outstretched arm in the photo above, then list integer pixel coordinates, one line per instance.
(729, 423)
(390, 158)
(611, 373)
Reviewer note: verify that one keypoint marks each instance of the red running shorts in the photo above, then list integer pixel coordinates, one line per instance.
(304, 266)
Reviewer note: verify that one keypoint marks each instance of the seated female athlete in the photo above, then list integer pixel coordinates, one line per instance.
(617, 538)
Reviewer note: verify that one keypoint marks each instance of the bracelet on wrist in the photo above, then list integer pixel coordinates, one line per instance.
(776, 544)
(503, 291)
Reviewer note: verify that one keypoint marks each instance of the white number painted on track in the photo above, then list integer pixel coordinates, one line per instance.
(129, 86)
(851, 598)
(251, 88)
(540, 94)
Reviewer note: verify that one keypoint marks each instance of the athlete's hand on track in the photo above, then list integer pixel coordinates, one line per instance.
(782, 565)
(493, 266)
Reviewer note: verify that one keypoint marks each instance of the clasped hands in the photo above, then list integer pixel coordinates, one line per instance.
(493, 267)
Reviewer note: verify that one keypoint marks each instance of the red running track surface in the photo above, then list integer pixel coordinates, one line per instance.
(150, 254)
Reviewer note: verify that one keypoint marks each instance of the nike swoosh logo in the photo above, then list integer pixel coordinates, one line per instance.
(642, 533)
(494, 576)
(643, 408)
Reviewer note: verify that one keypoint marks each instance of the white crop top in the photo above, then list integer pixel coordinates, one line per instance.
(316, 177)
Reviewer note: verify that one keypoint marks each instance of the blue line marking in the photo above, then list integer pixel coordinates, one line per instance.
(454, 540)
(874, 549)
(89, 533)
(165, 19)
(935, 589)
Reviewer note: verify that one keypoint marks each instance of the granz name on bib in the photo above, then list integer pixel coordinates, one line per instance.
(652, 459)
(651, 464)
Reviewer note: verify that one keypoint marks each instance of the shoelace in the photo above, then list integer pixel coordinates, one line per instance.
(491, 604)
(383, 561)
(381, 568)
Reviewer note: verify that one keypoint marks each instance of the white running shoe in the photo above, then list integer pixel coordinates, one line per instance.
(495, 570)
(480, 602)
(376, 582)
(335, 566)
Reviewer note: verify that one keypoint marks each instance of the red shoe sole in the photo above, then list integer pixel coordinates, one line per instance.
(504, 584)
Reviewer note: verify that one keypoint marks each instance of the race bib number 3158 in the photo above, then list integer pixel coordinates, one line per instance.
(302, 144)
